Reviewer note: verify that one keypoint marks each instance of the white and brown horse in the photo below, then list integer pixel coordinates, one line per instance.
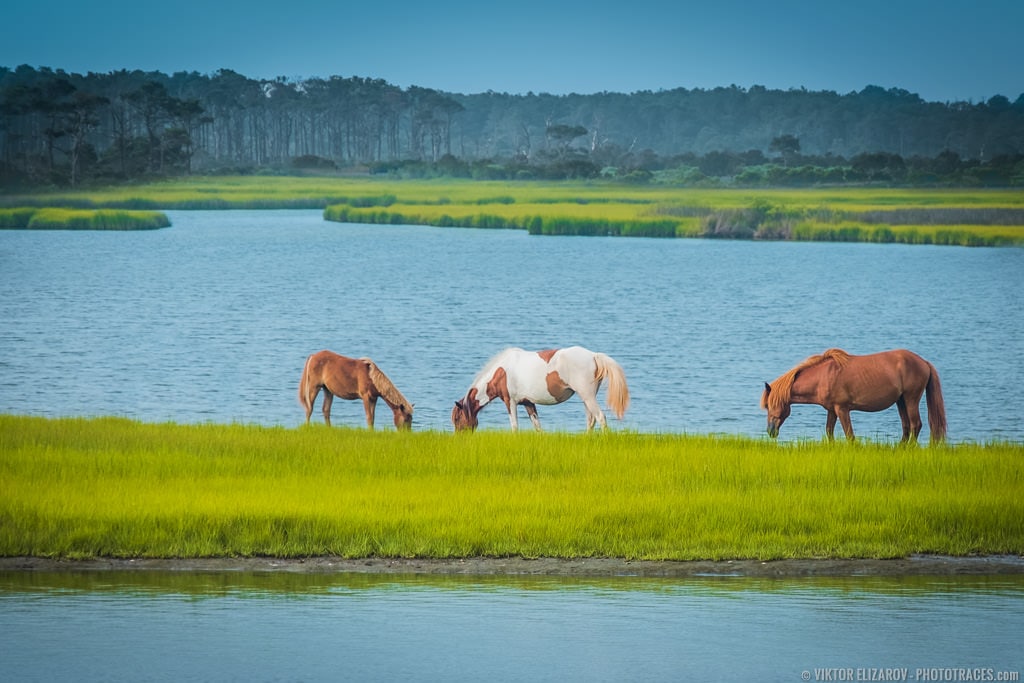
(532, 378)
(350, 378)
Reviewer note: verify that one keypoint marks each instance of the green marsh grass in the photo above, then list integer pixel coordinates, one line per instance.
(938, 216)
(81, 219)
(114, 487)
(847, 214)
(946, 235)
(17, 218)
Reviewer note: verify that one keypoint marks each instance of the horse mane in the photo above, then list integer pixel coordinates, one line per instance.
(782, 388)
(388, 391)
(489, 367)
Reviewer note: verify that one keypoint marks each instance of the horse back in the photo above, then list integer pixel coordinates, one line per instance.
(875, 381)
(343, 376)
(911, 370)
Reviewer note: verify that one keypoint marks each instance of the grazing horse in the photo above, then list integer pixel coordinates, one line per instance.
(350, 378)
(528, 378)
(840, 382)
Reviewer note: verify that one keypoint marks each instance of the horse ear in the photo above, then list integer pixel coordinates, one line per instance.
(767, 388)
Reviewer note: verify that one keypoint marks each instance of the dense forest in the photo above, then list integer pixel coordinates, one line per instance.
(60, 128)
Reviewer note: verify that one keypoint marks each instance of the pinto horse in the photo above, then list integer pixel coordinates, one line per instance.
(528, 378)
(840, 382)
(350, 378)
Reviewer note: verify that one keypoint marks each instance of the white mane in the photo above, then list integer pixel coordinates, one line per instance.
(485, 374)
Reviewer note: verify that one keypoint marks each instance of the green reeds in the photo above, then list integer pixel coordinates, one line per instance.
(913, 216)
(948, 235)
(16, 218)
(113, 487)
(81, 219)
(537, 219)
(849, 214)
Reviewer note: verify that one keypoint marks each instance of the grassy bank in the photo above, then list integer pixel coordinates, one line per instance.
(841, 214)
(913, 216)
(81, 219)
(113, 487)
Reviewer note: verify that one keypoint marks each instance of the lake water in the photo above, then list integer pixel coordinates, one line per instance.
(211, 320)
(292, 627)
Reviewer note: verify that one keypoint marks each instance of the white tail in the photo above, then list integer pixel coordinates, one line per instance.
(618, 391)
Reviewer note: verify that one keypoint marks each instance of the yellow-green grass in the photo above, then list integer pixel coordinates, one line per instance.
(81, 219)
(957, 235)
(284, 191)
(595, 207)
(830, 215)
(113, 487)
(551, 218)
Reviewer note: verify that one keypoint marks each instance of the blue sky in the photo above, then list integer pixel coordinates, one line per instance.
(943, 50)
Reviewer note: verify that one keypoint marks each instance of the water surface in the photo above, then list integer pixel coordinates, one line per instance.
(265, 627)
(211, 319)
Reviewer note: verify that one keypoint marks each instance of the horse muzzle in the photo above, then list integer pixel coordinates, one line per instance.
(773, 429)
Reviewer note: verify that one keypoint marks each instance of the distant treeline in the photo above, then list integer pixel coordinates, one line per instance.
(60, 128)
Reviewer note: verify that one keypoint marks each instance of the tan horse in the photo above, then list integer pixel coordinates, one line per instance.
(350, 378)
(840, 382)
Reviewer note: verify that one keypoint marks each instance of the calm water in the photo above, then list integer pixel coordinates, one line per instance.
(211, 320)
(283, 627)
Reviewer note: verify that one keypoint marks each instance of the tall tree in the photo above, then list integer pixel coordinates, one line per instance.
(83, 118)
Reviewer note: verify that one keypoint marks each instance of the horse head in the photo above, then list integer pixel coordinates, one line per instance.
(778, 411)
(463, 416)
(403, 416)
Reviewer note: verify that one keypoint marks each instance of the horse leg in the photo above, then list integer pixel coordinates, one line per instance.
(912, 425)
(370, 406)
(594, 413)
(901, 405)
(531, 410)
(328, 400)
(308, 401)
(830, 425)
(513, 416)
(844, 419)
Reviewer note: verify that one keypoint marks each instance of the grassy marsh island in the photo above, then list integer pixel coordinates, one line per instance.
(80, 219)
(110, 487)
(969, 217)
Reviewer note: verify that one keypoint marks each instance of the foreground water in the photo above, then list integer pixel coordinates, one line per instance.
(211, 319)
(290, 627)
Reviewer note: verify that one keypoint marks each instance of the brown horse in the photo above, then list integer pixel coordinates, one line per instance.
(839, 383)
(350, 378)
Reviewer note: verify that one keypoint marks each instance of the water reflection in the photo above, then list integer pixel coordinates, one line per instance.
(287, 626)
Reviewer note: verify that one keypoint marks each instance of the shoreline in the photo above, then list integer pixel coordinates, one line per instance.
(916, 565)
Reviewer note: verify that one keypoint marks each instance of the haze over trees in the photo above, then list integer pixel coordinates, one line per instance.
(60, 128)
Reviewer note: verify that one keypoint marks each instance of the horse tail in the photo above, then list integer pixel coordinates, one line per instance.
(618, 391)
(386, 388)
(304, 385)
(936, 406)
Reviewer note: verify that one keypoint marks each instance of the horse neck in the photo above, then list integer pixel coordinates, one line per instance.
(808, 385)
(479, 390)
(484, 378)
(395, 407)
(386, 389)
